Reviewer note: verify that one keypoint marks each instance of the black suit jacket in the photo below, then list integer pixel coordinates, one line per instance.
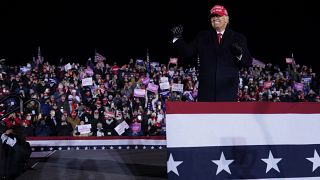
(52, 125)
(219, 67)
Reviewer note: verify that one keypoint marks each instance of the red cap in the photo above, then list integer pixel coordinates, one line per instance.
(27, 122)
(219, 10)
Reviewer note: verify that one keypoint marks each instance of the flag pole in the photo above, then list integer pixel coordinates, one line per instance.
(148, 58)
(148, 61)
(293, 61)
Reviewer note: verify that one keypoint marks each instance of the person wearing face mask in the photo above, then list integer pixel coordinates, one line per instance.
(222, 53)
(97, 117)
(41, 128)
(74, 120)
(99, 131)
(26, 126)
(64, 128)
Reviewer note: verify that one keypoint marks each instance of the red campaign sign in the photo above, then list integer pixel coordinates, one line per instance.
(152, 87)
(173, 60)
(289, 60)
(136, 127)
(298, 86)
(267, 84)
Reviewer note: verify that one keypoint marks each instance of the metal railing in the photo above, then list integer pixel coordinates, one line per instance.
(18, 105)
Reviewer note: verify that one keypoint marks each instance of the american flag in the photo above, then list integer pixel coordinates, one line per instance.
(243, 141)
(139, 62)
(99, 58)
(39, 58)
(258, 63)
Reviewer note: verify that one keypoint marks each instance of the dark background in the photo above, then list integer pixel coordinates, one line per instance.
(123, 29)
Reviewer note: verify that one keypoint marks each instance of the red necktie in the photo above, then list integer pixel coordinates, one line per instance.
(219, 37)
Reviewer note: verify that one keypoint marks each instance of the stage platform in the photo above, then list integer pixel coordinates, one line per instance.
(138, 164)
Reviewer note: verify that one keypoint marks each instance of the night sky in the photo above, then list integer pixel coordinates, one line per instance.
(123, 29)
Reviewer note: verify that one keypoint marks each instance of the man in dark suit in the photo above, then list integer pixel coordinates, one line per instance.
(14, 154)
(222, 52)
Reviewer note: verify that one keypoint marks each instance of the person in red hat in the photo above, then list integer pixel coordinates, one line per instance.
(222, 53)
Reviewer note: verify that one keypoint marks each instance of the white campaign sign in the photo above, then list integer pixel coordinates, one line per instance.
(87, 81)
(164, 85)
(83, 129)
(121, 127)
(177, 87)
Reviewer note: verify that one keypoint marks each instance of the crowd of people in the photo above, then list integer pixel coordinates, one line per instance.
(99, 98)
